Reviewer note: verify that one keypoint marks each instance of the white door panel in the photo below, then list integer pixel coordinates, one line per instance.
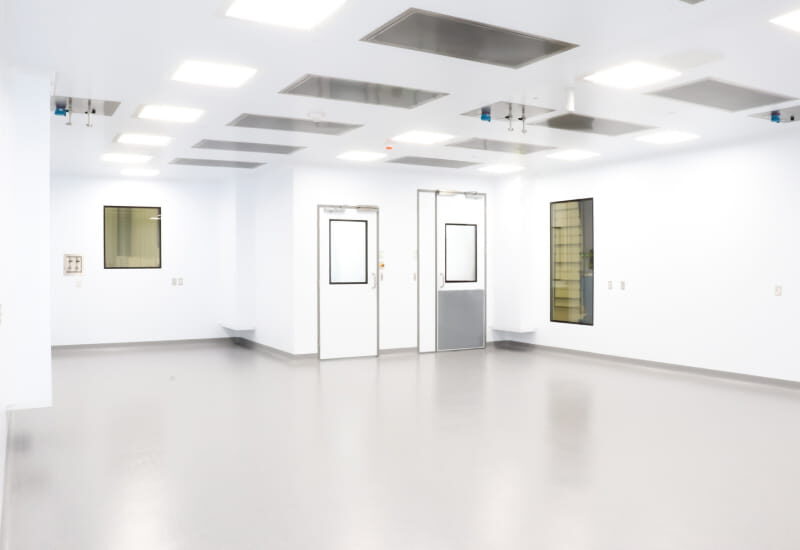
(348, 282)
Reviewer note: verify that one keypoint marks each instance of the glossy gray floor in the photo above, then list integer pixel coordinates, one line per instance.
(212, 446)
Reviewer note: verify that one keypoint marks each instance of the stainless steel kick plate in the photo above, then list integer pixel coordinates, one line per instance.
(710, 92)
(591, 125)
(440, 34)
(501, 146)
(216, 163)
(246, 147)
(435, 162)
(357, 91)
(265, 122)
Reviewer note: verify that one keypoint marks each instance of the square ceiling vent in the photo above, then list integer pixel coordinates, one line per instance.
(246, 147)
(216, 163)
(722, 95)
(264, 122)
(435, 33)
(591, 125)
(501, 146)
(429, 161)
(341, 89)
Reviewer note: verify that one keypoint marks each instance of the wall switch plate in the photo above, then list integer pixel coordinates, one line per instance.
(610, 285)
(622, 285)
(180, 281)
(778, 290)
(73, 264)
(174, 281)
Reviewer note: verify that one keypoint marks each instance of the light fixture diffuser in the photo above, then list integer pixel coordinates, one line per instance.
(126, 158)
(501, 168)
(213, 74)
(635, 74)
(295, 14)
(168, 113)
(361, 156)
(667, 137)
(421, 137)
(789, 21)
(146, 140)
(140, 172)
(573, 155)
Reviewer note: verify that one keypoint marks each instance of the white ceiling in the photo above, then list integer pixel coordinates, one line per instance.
(127, 51)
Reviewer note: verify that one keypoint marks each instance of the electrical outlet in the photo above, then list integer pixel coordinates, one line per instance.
(610, 285)
(174, 281)
(622, 285)
(180, 281)
(778, 290)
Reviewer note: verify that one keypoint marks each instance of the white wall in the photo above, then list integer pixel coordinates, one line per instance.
(700, 238)
(25, 377)
(133, 305)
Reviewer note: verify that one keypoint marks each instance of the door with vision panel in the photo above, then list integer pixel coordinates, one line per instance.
(461, 271)
(348, 281)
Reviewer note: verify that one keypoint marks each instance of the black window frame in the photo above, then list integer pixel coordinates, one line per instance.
(552, 262)
(105, 235)
(475, 227)
(366, 252)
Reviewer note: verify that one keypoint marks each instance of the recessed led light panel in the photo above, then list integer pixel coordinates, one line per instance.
(147, 140)
(247, 147)
(501, 168)
(213, 74)
(266, 122)
(216, 163)
(667, 137)
(422, 137)
(295, 14)
(126, 158)
(139, 172)
(169, 113)
(361, 156)
(573, 155)
(497, 146)
(635, 74)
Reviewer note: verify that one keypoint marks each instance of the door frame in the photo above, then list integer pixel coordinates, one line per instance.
(377, 211)
(436, 260)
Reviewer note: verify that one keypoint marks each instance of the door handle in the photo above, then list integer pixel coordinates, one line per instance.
(441, 280)
(374, 281)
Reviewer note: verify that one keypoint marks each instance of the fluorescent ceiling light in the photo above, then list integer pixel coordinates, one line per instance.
(635, 74)
(144, 139)
(126, 158)
(140, 172)
(667, 137)
(296, 14)
(790, 21)
(573, 154)
(213, 74)
(422, 138)
(361, 156)
(169, 113)
(501, 168)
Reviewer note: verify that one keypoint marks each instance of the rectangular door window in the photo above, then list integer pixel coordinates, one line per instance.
(572, 262)
(348, 252)
(461, 253)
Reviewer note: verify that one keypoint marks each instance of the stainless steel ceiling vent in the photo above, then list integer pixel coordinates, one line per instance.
(430, 32)
(246, 147)
(216, 163)
(429, 161)
(264, 122)
(341, 89)
(722, 95)
(591, 125)
(497, 146)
